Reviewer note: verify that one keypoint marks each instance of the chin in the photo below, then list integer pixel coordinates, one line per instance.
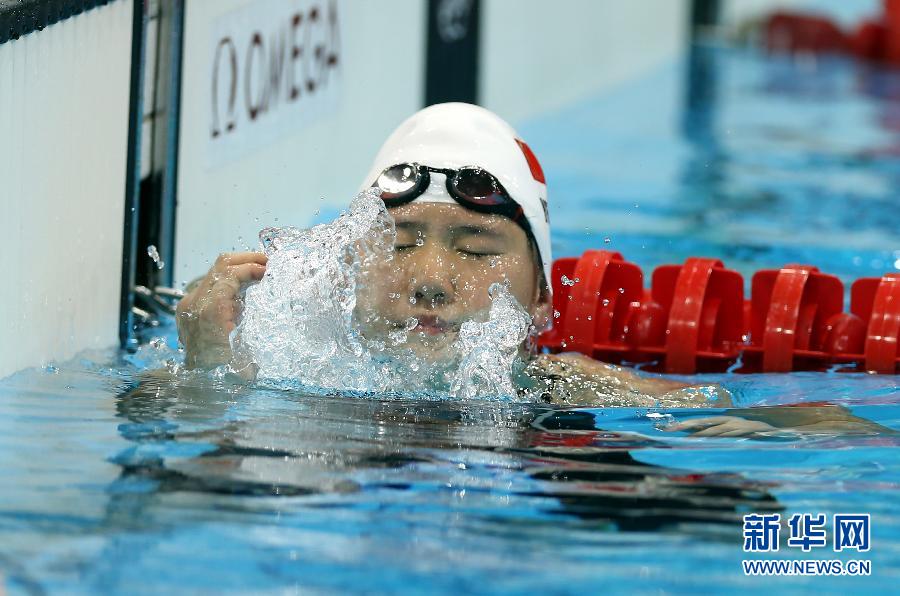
(432, 348)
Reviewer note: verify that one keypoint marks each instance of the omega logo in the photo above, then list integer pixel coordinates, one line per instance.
(295, 59)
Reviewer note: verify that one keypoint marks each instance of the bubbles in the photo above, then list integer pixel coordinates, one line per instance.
(297, 322)
(488, 350)
(568, 282)
(158, 354)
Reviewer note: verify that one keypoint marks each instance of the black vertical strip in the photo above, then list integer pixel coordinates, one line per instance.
(699, 109)
(169, 200)
(132, 175)
(704, 13)
(156, 215)
(452, 51)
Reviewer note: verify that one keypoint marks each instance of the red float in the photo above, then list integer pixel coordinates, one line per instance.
(694, 318)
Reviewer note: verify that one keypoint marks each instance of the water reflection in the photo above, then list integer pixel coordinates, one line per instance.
(343, 451)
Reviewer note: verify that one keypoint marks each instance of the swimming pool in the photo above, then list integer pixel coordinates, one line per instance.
(206, 485)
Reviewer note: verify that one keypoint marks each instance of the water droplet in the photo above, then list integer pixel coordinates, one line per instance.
(607, 240)
(154, 254)
(556, 314)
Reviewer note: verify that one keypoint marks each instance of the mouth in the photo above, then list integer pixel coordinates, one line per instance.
(432, 325)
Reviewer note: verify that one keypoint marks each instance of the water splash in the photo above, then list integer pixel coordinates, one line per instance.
(153, 253)
(299, 326)
(297, 322)
(489, 350)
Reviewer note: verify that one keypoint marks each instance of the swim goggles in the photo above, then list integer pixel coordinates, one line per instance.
(470, 186)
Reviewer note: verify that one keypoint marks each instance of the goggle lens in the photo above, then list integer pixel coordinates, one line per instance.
(398, 181)
(479, 187)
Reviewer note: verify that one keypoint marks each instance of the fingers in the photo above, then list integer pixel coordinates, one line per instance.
(698, 423)
(721, 426)
(225, 262)
(247, 272)
(719, 430)
(231, 259)
(738, 432)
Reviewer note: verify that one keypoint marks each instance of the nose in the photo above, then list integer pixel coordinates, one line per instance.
(430, 278)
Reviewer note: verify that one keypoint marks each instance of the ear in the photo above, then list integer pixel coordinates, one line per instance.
(541, 313)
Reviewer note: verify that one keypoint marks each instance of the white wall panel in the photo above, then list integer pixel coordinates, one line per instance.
(286, 161)
(538, 56)
(63, 139)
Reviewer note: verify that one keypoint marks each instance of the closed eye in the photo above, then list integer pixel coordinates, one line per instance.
(477, 254)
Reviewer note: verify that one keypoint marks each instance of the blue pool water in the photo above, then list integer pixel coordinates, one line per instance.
(113, 481)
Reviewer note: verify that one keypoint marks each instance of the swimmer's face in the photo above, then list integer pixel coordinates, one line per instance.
(445, 259)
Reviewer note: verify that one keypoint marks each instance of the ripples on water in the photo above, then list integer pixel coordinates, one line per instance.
(113, 479)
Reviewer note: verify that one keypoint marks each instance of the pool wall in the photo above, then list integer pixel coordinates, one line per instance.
(64, 105)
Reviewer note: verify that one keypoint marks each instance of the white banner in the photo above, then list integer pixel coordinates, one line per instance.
(274, 67)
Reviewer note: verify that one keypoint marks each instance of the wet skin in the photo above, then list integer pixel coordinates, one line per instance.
(445, 260)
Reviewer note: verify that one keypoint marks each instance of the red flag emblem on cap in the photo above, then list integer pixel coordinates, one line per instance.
(536, 172)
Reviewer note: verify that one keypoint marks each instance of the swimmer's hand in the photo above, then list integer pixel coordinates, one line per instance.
(722, 426)
(768, 421)
(209, 311)
(575, 379)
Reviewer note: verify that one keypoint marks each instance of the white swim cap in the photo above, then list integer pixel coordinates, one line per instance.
(455, 135)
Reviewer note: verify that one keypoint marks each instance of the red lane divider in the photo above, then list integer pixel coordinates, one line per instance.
(790, 312)
(878, 301)
(876, 40)
(694, 317)
(705, 303)
(594, 297)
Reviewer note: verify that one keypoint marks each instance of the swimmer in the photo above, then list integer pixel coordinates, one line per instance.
(469, 202)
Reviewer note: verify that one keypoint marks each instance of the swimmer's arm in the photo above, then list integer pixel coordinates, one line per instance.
(585, 381)
(773, 420)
